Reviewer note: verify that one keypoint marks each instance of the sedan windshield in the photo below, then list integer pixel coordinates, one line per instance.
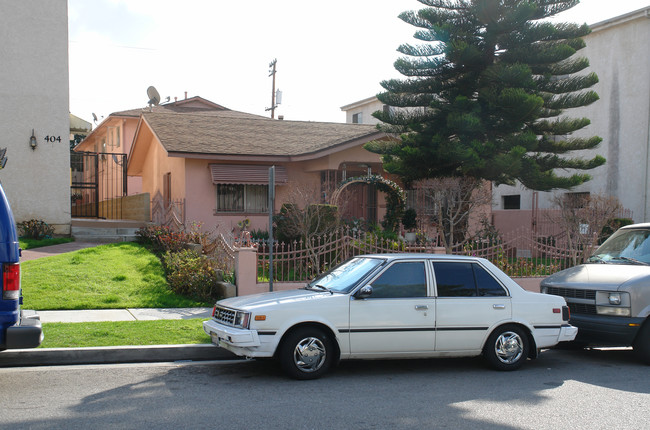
(629, 246)
(342, 278)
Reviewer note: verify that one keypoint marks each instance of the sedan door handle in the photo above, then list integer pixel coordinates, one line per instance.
(499, 306)
(421, 307)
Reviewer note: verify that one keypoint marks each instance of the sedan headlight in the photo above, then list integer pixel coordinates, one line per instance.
(242, 319)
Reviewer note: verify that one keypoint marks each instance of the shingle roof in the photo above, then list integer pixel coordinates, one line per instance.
(185, 110)
(192, 105)
(228, 135)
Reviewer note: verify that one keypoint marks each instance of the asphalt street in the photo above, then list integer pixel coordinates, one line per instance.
(598, 389)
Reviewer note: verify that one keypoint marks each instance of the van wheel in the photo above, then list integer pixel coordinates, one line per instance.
(507, 348)
(306, 353)
(642, 343)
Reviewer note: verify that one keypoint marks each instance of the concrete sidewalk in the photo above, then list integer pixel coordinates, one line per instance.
(115, 354)
(132, 314)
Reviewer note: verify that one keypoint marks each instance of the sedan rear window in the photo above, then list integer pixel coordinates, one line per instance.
(465, 280)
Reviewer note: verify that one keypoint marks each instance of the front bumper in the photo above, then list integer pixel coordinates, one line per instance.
(568, 333)
(242, 342)
(606, 330)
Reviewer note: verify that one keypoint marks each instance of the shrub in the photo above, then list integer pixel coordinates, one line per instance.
(611, 226)
(35, 229)
(162, 238)
(409, 219)
(191, 274)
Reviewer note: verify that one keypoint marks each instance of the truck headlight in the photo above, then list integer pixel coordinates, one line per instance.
(614, 298)
(242, 319)
(611, 310)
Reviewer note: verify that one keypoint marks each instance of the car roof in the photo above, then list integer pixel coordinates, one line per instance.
(640, 225)
(417, 256)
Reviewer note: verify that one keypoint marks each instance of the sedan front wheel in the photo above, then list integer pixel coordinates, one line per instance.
(306, 353)
(507, 348)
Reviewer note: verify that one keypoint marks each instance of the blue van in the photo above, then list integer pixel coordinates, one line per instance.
(17, 329)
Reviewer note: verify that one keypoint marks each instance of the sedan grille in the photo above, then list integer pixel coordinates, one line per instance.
(572, 293)
(225, 316)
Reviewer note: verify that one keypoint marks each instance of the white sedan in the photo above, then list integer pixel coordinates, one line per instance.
(394, 306)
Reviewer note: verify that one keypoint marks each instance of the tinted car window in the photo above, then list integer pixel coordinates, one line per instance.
(455, 279)
(487, 285)
(401, 280)
(465, 280)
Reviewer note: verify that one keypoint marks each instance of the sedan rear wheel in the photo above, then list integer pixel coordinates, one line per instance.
(507, 348)
(306, 353)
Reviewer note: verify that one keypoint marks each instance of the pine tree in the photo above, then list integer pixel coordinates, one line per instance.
(484, 96)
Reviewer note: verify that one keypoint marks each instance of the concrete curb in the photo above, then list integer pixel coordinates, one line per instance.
(112, 355)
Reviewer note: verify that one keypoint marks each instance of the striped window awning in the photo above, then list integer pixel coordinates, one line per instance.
(246, 174)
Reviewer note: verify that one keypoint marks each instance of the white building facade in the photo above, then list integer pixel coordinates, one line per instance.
(619, 54)
(34, 90)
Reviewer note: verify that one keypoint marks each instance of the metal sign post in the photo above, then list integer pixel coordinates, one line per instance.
(271, 206)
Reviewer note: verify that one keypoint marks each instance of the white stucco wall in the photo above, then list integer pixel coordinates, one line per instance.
(34, 95)
(364, 107)
(618, 52)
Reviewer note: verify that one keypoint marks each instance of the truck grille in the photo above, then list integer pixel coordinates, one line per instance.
(224, 315)
(581, 308)
(572, 293)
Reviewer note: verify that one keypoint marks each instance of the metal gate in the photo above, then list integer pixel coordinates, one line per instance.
(97, 183)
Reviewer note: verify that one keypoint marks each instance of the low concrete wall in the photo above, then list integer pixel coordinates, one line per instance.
(137, 207)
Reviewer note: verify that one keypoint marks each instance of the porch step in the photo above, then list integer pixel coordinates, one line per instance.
(94, 230)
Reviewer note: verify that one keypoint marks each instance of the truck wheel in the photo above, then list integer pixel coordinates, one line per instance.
(507, 348)
(306, 353)
(642, 343)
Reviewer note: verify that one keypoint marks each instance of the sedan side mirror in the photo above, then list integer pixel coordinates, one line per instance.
(364, 292)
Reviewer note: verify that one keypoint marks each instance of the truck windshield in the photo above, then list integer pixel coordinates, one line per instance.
(626, 246)
(342, 278)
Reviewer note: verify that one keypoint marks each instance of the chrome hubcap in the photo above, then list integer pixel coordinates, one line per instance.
(509, 347)
(309, 354)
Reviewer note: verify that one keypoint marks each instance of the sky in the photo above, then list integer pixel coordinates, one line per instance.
(329, 53)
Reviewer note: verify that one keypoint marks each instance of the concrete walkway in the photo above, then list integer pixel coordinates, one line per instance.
(133, 314)
(49, 251)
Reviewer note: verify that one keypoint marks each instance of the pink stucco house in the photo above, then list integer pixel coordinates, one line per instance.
(115, 133)
(216, 163)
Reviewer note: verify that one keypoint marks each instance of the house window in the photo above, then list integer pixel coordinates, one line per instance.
(512, 202)
(113, 134)
(576, 200)
(357, 118)
(242, 198)
(167, 189)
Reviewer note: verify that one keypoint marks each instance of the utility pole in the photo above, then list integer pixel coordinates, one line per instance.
(272, 73)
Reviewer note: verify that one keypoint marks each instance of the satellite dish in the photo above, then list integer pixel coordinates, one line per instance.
(94, 118)
(154, 97)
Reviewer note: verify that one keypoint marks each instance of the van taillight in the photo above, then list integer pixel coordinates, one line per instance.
(11, 281)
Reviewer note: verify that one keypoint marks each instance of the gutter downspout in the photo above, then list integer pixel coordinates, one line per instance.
(647, 155)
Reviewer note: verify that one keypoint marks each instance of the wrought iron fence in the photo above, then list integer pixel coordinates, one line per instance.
(519, 253)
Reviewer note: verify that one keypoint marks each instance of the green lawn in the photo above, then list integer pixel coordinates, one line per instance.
(119, 333)
(112, 276)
